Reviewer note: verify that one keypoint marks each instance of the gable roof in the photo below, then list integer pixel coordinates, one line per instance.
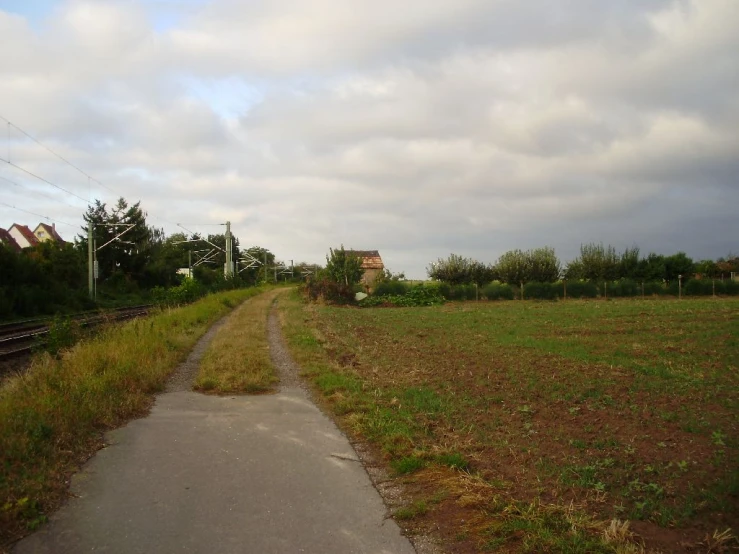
(9, 241)
(370, 258)
(51, 231)
(26, 232)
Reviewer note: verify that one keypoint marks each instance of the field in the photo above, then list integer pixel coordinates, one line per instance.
(543, 426)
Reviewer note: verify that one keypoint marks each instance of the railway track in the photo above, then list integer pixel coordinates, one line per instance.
(18, 339)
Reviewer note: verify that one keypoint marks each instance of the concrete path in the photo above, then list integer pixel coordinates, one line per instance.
(261, 474)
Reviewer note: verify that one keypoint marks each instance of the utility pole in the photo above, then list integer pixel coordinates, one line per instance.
(90, 251)
(229, 252)
(189, 264)
(265, 267)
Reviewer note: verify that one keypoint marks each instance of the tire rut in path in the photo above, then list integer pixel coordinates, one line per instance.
(287, 369)
(184, 376)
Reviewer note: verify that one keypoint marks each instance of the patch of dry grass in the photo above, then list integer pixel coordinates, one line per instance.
(237, 360)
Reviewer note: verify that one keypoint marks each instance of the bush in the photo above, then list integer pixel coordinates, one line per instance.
(391, 288)
(543, 291)
(418, 295)
(327, 290)
(582, 289)
(652, 288)
(189, 291)
(624, 288)
(498, 291)
(460, 292)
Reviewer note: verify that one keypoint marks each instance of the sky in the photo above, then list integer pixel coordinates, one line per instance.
(417, 128)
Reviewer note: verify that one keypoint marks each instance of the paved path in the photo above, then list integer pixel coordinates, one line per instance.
(261, 474)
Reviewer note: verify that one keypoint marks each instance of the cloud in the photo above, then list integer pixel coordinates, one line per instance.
(419, 128)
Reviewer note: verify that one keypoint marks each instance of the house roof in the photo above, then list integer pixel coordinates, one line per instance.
(9, 241)
(51, 231)
(26, 232)
(370, 258)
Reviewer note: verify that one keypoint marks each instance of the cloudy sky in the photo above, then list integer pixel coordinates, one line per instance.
(418, 128)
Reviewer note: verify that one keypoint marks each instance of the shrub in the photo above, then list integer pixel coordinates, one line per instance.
(498, 291)
(543, 291)
(321, 287)
(582, 289)
(391, 288)
(418, 295)
(460, 292)
(624, 288)
(652, 287)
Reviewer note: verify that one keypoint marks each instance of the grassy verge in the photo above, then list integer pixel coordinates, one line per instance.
(52, 417)
(237, 360)
(557, 427)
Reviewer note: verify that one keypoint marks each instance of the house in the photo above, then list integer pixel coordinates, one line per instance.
(44, 232)
(371, 264)
(9, 241)
(22, 235)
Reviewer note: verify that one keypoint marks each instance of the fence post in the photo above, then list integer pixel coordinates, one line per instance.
(713, 286)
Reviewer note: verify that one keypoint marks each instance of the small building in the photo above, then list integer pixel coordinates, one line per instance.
(44, 232)
(371, 264)
(23, 236)
(7, 239)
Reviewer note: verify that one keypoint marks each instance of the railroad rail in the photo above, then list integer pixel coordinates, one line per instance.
(19, 338)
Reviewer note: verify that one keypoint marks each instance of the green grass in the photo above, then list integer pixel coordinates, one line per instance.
(52, 417)
(237, 359)
(634, 404)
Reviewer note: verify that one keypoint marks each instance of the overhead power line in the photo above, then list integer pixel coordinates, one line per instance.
(65, 160)
(44, 180)
(36, 193)
(37, 215)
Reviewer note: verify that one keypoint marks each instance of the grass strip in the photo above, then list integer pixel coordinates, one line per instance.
(52, 417)
(237, 360)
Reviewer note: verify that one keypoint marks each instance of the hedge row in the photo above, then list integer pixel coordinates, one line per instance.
(574, 289)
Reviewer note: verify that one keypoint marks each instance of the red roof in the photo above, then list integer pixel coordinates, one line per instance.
(9, 241)
(370, 258)
(27, 233)
(51, 231)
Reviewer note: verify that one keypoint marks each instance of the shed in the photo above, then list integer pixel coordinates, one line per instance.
(371, 264)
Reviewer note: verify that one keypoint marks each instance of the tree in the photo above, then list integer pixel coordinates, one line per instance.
(514, 267)
(679, 265)
(119, 254)
(651, 268)
(458, 270)
(344, 267)
(258, 271)
(544, 266)
(707, 268)
(628, 267)
(599, 263)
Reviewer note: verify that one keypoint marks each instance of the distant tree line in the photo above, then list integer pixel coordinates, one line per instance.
(53, 278)
(596, 262)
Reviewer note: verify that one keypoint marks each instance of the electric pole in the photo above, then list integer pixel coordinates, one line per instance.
(89, 260)
(229, 251)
